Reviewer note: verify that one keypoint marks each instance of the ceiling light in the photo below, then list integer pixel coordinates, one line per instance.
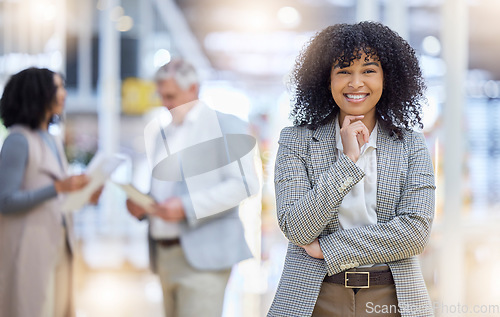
(289, 16)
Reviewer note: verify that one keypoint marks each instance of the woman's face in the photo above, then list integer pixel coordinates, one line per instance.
(60, 96)
(357, 88)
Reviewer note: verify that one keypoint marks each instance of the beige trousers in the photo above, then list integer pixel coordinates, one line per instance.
(336, 300)
(59, 300)
(188, 292)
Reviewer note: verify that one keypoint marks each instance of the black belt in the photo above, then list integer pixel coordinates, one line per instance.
(353, 279)
(168, 242)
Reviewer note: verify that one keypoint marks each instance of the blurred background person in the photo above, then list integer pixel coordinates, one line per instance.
(36, 236)
(193, 254)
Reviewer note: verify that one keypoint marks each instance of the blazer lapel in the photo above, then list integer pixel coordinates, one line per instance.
(388, 149)
(322, 156)
(50, 163)
(64, 160)
(323, 153)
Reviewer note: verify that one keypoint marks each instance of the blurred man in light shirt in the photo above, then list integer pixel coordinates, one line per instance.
(195, 233)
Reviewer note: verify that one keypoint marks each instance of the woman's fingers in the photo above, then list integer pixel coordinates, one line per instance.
(354, 134)
(349, 119)
(361, 138)
(360, 131)
(313, 249)
(71, 183)
(358, 128)
(79, 181)
(365, 134)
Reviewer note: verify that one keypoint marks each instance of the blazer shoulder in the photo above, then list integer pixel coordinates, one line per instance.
(413, 140)
(295, 137)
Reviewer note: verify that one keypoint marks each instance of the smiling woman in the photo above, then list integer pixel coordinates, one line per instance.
(339, 47)
(354, 182)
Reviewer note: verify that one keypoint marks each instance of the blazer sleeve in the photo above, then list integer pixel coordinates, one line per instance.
(402, 237)
(304, 210)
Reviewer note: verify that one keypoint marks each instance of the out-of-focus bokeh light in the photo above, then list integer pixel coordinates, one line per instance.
(102, 4)
(161, 57)
(289, 16)
(124, 23)
(255, 20)
(431, 45)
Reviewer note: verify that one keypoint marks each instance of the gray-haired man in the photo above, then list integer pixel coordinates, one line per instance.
(196, 235)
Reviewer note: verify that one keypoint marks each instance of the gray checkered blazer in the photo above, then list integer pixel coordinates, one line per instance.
(311, 182)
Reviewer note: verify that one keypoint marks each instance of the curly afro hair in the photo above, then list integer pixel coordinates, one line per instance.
(27, 97)
(399, 106)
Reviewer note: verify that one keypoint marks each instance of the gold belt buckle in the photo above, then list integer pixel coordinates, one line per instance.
(363, 286)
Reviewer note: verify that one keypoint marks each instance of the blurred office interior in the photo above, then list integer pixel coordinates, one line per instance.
(109, 50)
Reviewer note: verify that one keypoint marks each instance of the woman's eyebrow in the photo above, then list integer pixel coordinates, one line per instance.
(365, 64)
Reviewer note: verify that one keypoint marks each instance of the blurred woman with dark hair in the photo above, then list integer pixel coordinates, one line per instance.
(35, 235)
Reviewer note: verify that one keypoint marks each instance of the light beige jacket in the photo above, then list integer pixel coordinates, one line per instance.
(29, 241)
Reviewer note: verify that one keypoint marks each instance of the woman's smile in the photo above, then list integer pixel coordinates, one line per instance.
(356, 97)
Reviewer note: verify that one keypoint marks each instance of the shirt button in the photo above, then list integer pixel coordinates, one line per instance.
(350, 179)
(342, 266)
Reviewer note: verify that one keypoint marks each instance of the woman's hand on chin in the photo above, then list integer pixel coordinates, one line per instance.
(354, 134)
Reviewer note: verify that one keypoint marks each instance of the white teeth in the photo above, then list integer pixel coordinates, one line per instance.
(356, 96)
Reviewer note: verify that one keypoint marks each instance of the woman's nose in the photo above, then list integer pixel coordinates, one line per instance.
(356, 81)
